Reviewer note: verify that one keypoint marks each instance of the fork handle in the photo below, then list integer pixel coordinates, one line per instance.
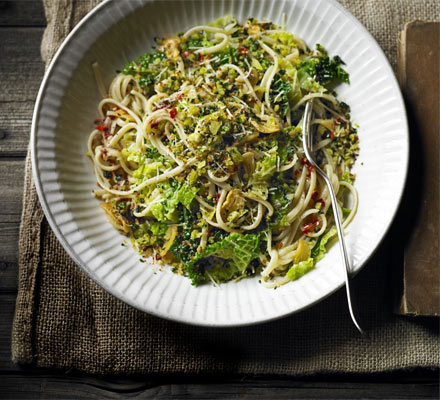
(307, 144)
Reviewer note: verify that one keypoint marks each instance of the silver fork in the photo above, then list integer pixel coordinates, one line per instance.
(308, 150)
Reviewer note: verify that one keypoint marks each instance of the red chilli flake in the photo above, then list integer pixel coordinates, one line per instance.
(200, 57)
(218, 196)
(173, 113)
(102, 128)
(318, 200)
(154, 124)
(304, 161)
(307, 228)
(310, 167)
(242, 50)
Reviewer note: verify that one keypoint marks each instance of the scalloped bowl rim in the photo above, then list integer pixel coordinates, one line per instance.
(44, 203)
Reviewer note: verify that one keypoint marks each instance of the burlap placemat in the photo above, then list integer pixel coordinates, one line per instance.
(64, 320)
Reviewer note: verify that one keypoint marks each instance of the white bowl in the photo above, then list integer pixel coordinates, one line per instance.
(118, 31)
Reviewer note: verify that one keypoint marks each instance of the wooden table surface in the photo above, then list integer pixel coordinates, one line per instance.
(22, 24)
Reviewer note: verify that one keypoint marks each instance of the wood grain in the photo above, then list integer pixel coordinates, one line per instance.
(21, 71)
(11, 181)
(7, 306)
(67, 387)
(22, 13)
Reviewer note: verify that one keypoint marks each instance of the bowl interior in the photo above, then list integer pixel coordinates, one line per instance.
(117, 32)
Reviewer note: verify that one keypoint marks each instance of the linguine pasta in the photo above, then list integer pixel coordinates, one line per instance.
(198, 152)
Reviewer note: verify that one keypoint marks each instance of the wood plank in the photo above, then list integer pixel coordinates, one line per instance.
(16, 386)
(7, 307)
(22, 67)
(9, 269)
(21, 72)
(22, 13)
(15, 128)
(11, 182)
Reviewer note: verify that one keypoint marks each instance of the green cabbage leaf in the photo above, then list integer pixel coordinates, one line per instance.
(224, 260)
(319, 249)
(300, 269)
(264, 170)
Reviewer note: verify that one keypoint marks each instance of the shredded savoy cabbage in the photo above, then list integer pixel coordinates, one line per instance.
(198, 152)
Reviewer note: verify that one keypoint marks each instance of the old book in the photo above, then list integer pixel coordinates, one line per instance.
(418, 73)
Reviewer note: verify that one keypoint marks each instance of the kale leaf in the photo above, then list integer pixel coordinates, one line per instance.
(325, 70)
(279, 92)
(185, 248)
(328, 71)
(145, 69)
